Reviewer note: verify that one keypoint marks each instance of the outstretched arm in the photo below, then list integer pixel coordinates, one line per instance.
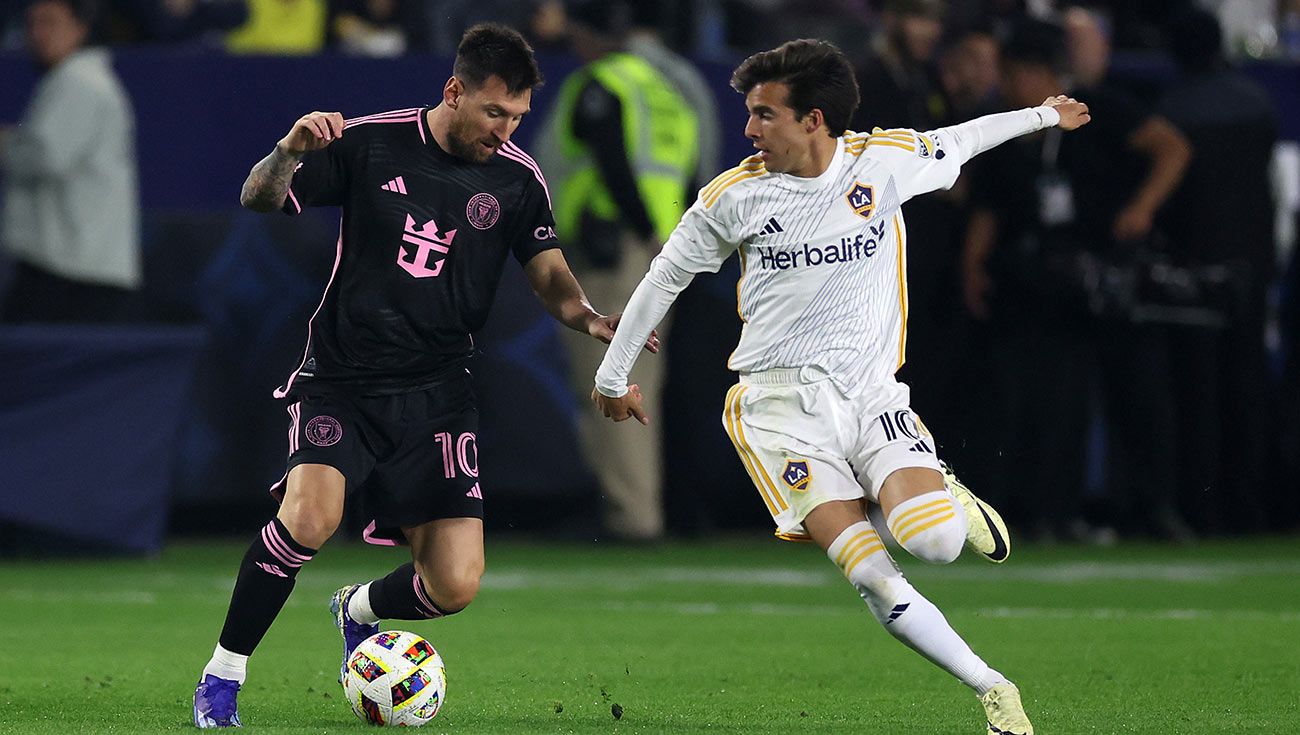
(649, 303)
(267, 184)
(976, 136)
(553, 283)
(924, 162)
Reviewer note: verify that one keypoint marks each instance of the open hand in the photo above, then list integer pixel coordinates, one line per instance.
(313, 131)
(1074, 114)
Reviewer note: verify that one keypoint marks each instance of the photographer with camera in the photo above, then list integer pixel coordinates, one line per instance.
(1051, 257)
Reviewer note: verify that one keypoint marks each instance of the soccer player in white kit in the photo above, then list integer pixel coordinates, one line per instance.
(818, 419)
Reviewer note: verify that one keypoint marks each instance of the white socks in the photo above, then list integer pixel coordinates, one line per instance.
(227, 665)
(931, 527)
(907, 615)
(359, 606)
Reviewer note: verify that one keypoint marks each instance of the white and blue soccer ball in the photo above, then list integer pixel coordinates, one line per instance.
(395, 678)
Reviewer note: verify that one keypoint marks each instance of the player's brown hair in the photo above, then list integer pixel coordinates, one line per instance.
(491, 49)
(818, 75)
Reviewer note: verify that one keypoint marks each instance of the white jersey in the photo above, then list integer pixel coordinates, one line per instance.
(823, 260)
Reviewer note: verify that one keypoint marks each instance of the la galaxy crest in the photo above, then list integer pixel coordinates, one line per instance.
(797, 475)
(862, 197)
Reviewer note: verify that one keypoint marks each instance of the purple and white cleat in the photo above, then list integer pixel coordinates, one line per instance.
(353, 632)
(215, 704)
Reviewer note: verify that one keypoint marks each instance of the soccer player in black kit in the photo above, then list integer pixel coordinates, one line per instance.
(381, 406)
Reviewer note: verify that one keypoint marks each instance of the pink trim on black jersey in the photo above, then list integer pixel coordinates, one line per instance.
(369, 537)
(338, 258)
(515, 153)
(382, 116)
(294, 199)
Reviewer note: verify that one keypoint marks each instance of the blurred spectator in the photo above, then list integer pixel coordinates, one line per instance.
(71, 209)
(644, 41)
(281, 27)
(1087, 39)
(968, 72)
(695, 377)
(619, 149)
(171, 21)
(1054, 217)
(897, 77)
(377, 27)
(900, 88)
(1225, 399)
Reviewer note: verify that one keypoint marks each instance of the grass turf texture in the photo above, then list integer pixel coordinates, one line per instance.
(731, 637)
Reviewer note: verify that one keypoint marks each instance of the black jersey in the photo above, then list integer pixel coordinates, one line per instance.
(422, 243)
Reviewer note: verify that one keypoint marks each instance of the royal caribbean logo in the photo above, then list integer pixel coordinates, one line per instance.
(797, 475)
(863, 199)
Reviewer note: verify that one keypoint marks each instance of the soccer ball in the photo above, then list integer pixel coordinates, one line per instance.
(395, 678)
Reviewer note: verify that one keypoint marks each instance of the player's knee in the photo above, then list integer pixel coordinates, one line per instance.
(310, 525)
(930, 526)
(450, 590)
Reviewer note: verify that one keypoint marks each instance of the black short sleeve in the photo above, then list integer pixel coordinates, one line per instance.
(321, 179)
(535, 230)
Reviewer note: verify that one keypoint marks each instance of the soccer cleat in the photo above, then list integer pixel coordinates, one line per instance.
(1005, 713)
(215, 704)
(985, 531)
(353, 632)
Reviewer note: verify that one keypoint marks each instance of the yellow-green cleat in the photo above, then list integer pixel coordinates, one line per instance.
(986, 534)
(1005, 713)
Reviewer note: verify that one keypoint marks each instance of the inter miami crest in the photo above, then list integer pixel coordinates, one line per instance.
(797, 475)
(863, 199)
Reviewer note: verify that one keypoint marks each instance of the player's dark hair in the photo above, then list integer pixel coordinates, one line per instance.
(817, 74)
(491, 49)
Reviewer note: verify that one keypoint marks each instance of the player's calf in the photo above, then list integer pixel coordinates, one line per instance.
(930, 526)
(903, 611)
(266, 578)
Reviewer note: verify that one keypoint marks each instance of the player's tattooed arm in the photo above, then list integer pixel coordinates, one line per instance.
(267, 184)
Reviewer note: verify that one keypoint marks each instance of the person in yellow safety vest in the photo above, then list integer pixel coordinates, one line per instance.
(619, 150)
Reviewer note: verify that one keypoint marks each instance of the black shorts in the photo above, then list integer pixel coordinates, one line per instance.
(408, 458)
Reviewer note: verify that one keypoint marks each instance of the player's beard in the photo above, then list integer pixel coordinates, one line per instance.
(463, 144)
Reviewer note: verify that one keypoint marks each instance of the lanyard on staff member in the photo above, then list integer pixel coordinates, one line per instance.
(1055, 193)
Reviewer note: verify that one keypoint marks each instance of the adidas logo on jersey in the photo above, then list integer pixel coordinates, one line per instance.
(772, 227)
(474, 492)
(396, 185)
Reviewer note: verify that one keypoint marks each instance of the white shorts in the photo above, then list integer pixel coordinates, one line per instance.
(806, 443)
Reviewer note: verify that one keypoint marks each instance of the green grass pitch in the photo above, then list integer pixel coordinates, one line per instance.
(739, 636)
